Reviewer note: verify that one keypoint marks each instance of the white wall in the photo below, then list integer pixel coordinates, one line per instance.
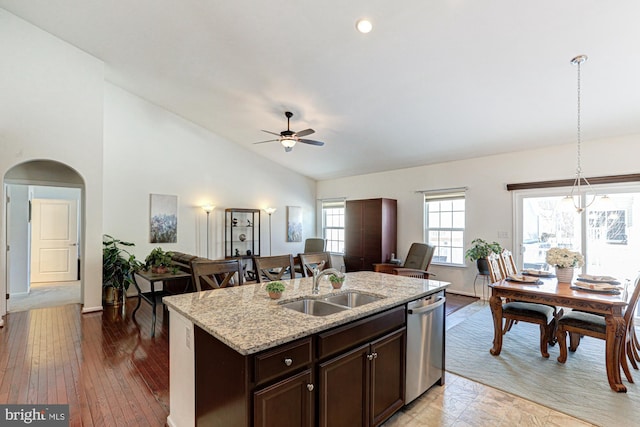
(18, 239)
(52, 97)
(150, 150)
(489, 204)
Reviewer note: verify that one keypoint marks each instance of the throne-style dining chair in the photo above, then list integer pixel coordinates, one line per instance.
(508, 263)
(209, 275)
(270, 268)
(514, 311)
(580, 323)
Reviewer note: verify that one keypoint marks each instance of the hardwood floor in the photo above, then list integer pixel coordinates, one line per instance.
(112, 373)
(455, 302)
(104, 365)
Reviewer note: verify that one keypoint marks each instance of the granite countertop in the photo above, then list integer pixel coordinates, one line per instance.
(247, 320)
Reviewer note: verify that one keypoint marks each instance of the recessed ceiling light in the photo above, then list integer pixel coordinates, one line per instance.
(364, 26)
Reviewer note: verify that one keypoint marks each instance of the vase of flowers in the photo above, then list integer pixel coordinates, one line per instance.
(564, 260)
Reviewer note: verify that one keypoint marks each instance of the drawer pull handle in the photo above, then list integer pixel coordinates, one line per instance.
(310, 387)
(375, 355)
(370, 356)
(288, 361)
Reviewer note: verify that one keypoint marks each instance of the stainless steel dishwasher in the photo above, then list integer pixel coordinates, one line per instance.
(425, 345)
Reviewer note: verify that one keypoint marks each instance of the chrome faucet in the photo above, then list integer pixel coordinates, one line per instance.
(317, 274)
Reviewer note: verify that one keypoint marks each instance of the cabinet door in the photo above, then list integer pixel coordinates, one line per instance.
(343, 384)
(372, 233)
(387, 376)
(353, 222)
(288, 403)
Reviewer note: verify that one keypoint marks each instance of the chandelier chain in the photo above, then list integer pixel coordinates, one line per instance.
(579, 165)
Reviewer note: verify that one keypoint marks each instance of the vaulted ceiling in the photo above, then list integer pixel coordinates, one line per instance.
(434, 81)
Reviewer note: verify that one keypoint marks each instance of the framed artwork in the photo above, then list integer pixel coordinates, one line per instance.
(294, 224)
(163, 218)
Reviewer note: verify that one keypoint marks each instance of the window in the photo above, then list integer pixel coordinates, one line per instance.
(333, 225)
(444, 219)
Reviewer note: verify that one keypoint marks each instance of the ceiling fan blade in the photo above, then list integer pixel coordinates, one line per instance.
(272, 133)
(305, 132)
(269, 140)
(312, 142)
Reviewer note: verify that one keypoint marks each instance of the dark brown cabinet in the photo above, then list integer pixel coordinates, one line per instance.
(370, 232)
(288, 403)
(351, 375)
(364, 386)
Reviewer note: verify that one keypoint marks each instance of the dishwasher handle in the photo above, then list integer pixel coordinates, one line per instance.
(428, 308)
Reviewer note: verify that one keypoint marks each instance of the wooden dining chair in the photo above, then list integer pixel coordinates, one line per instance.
(309, 261)
(209, 275)
(581, 323)
(271, 268)
(514, 311)
(508, 263)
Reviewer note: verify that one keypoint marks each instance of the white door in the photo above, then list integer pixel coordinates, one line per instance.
(54, 240)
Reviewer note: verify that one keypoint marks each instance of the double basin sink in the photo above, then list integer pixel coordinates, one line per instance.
(331, 304)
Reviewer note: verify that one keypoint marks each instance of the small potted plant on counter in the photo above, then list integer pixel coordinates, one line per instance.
(336, 281)
(275, 289)
(479, 251)
(158, 261)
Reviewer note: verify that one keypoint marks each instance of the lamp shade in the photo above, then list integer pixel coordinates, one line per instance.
(208, 208)
(269, 210)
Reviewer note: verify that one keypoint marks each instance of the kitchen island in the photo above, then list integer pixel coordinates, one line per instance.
(236, 355)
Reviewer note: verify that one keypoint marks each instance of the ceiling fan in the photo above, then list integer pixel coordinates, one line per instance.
(289, 138)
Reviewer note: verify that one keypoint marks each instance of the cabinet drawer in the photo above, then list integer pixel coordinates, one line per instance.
(282, 360)
(348, 336)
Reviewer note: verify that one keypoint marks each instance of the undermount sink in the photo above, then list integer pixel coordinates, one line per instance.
(331, 304)
(314, 307)
(352, 299)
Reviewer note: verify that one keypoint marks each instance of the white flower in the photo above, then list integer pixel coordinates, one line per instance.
(563, 258)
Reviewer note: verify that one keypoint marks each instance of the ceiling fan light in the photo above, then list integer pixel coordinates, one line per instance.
(288, 142)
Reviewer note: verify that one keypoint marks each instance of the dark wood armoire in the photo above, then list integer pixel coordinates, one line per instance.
(370, 232)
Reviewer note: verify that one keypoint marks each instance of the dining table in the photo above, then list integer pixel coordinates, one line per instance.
(547, 290)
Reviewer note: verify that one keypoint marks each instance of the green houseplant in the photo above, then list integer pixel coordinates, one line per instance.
(336, 281)
(479, 251)
(275, 289)
(118, 266)
(158, 261)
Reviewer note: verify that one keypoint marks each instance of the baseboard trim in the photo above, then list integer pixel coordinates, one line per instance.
(91, 309)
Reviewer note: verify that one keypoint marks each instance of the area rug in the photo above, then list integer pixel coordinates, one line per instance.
(578, 388)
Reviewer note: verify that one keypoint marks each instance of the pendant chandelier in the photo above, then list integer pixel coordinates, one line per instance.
(581, 185)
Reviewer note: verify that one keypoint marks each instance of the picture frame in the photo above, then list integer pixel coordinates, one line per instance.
(163, 218)
(294, 224)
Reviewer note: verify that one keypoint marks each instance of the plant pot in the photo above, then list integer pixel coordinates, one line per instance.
(483, 266)
(113, 297)
(564, 275)
(275, 295)
(337, 285)
(160, 270)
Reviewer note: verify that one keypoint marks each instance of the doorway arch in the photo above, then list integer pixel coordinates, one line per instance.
(42, 173)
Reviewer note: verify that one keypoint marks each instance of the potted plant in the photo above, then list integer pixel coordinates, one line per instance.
(118, 266)
(479, 251)
(275, 289)
(158, 261)
(336, 281)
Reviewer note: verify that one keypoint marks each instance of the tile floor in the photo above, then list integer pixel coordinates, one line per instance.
(463, 403)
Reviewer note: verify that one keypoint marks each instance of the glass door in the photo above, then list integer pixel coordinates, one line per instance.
(605, 233)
